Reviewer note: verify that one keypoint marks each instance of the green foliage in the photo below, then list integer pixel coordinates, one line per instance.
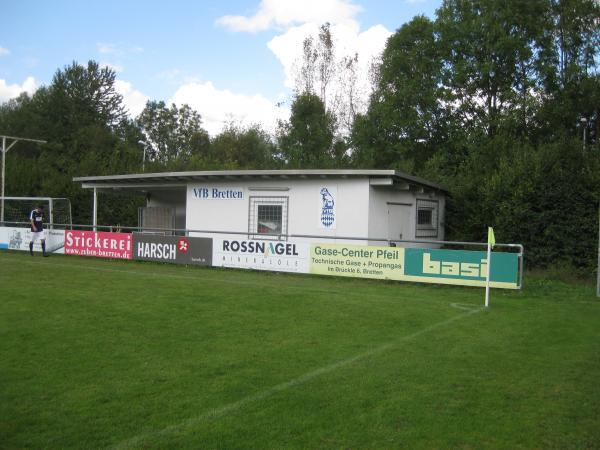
(173, 134)
(81, 116)
(244, 147)
(86, 95)
(493, 99)
(307, 140)
(405, 118)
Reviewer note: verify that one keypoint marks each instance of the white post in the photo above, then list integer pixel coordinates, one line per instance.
(487, 278)
(51, 205)
(95, 218)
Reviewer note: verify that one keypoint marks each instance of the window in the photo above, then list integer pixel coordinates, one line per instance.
(427, 218)
(269, 219)
(267, 215)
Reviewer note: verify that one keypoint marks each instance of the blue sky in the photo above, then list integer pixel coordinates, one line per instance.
(228, 59)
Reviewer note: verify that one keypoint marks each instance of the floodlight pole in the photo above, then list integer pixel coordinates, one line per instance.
(4, 150)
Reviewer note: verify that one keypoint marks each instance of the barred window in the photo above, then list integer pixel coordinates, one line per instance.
(267, 215)
(427, 218)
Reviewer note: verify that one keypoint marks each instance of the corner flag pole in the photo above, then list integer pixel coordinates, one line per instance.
(490, 243)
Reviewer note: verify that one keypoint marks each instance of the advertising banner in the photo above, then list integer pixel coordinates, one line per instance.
(172, 249)
(13, 238)
(99, 244)
(359, 261)
(466, 268)
(261, 255)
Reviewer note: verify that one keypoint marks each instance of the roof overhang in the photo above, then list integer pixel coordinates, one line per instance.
(169, 180)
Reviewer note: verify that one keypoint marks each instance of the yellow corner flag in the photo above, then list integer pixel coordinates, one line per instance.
(491, 237)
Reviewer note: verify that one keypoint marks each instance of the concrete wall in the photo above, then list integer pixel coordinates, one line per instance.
(304, 207)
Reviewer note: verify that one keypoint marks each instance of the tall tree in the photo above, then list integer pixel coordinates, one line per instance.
(244, 147)
(308, 139)
(172, 134)
(81, 116)
(406, 116)
(333, 78)
(488, 51)
(86, 95)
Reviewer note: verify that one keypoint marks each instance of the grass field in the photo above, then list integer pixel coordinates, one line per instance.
(112, 354)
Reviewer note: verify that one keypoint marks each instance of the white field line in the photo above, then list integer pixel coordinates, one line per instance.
(203, 277)
(463, 306)
(231, 407)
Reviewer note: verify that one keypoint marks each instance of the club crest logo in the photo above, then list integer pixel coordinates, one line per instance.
(327, 208)
(183, 245)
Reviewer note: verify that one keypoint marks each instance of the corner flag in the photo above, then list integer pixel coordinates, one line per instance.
(491, 237)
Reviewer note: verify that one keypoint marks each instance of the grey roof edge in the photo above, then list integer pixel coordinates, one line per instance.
(257, 173)
(419, 180)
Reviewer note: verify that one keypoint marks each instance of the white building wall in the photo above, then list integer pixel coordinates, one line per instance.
(380, 199)
(304, 208)
(361, 209)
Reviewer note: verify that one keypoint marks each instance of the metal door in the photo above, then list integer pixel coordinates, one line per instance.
(399, 221)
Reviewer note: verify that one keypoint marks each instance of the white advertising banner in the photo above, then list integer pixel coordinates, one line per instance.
(276, 256)
(327, 207)
(13, 238)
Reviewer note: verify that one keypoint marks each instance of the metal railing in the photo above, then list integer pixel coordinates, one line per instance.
(283, 237)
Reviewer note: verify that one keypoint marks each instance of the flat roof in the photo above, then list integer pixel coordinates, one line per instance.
(173, 179)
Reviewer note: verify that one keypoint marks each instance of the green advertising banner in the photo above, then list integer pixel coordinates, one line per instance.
(466, 268)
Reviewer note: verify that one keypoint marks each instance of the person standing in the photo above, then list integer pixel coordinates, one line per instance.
(37, 229)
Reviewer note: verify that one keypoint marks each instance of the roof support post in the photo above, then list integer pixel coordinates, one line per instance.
(95, 213)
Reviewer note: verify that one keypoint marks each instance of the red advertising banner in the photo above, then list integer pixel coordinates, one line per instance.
(99, 244)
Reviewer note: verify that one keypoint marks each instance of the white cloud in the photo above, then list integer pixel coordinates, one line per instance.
(218, 107)
(105, 49)
(8, 91)
(134, 100)
(4, 51)
(285, 13)
(114, 67)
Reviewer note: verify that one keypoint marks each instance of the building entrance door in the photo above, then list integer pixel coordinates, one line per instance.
(399, 221)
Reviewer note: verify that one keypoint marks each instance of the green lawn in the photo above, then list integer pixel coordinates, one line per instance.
(117, 354)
